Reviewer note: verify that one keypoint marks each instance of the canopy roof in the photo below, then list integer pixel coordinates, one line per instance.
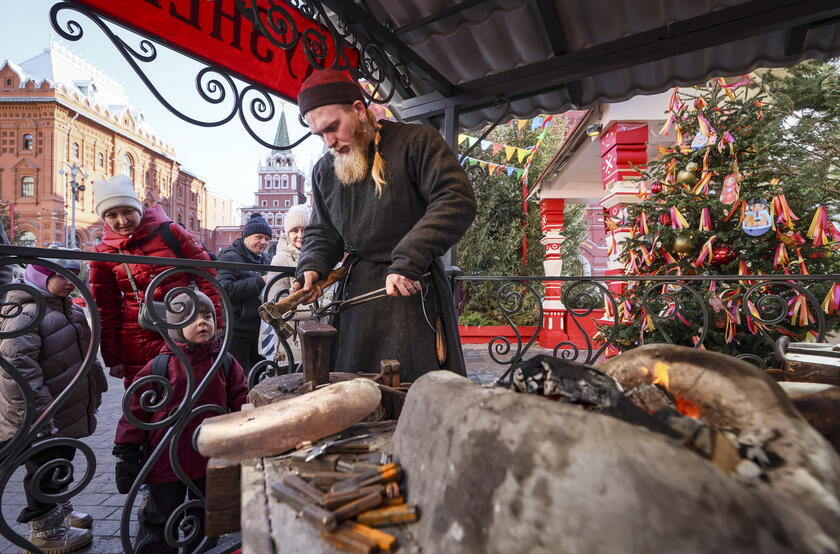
(548, 56)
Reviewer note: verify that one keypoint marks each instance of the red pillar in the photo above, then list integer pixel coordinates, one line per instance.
(623, 146)
(554, 313)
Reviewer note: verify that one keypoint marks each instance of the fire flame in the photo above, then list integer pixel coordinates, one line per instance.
(661, 377)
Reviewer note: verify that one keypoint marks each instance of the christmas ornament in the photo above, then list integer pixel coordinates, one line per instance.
(688, 176)
(664, 218)
(656, 188)
(722, 255)
(731, 189)
(757, 217)
(699, 141)
(684, 243)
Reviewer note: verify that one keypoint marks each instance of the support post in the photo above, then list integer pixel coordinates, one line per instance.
(450, 135)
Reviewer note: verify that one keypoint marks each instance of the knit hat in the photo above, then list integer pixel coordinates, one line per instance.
(113, 192)
(38, 275)
(297, 216)
(327, 86)
(256, 224)
(183, 303)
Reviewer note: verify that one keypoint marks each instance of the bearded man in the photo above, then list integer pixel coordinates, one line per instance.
(394, 197)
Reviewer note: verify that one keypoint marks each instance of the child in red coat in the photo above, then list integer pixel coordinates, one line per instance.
(226, 389)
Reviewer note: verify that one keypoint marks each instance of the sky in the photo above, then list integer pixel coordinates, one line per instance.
(226, 157)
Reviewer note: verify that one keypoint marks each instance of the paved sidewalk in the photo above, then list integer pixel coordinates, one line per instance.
(100, 498)
(105, 504)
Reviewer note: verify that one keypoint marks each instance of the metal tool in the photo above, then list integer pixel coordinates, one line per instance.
(336, 306)
(321, 448)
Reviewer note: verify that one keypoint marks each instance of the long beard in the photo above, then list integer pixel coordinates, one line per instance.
(352, 167)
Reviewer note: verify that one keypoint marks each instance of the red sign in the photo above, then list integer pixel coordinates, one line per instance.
(219, 34)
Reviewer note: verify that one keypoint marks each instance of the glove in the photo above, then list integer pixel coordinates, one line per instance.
(129, 465)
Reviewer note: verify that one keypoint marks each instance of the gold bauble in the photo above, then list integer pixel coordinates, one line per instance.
(686, 177)
(684, 244)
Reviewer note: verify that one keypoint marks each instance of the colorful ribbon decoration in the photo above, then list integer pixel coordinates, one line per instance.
(705, 220)
(800, 314)
(705, 252)
(702, 186)
(831, 302)
(781, 258)
(677, 219)
(821, 230)
(785, 214)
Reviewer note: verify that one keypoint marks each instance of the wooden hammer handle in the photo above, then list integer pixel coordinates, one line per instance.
(293, 300)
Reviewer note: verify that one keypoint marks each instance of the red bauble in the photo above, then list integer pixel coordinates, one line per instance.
(664, 218)
(656, 188)
(722, 254)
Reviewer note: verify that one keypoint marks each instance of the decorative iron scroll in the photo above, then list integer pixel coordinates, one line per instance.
(182, 525)
(665, 301)
(380, 69)
(35, 431)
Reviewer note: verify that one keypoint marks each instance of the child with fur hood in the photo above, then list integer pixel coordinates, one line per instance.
(227, 389)
(48, 357)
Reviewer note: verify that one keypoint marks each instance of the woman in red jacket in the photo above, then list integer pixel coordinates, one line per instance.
(131, 229)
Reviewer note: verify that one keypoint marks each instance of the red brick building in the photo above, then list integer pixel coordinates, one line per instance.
(57, 111)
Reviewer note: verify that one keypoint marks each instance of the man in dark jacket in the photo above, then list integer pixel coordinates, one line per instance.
(395, 198)
(244, 288)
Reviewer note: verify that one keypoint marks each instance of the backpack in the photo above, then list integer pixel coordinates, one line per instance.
(160, 367)
(172, 243)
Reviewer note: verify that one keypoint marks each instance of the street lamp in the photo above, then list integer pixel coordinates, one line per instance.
(74, 171)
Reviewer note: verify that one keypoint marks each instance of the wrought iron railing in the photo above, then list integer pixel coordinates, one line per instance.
(664, 308)
(181, 526)
(671, 303)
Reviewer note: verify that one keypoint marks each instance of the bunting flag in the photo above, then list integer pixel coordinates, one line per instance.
(536, 123)
(521, 123)
(486, 144)
(509, 170)
(831, 303)
(497, 147)
(705, 220)
(509, 151)
(705, 253)
(471, 141)
(521, 153)
(461, 138)
(677, 219)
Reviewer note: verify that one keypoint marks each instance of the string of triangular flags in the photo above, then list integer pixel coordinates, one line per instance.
(522, 154)
(494, 168)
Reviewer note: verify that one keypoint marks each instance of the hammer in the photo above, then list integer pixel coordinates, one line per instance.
(273, 311)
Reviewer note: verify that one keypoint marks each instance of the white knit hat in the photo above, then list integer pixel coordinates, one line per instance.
(113, 192)
(297, 216)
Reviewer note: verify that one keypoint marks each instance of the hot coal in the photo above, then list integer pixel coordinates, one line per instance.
(574, 383)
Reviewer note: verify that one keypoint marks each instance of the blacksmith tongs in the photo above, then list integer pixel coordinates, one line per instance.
(338, 305)
(321, 448)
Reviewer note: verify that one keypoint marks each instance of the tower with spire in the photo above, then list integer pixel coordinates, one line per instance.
(280, 183)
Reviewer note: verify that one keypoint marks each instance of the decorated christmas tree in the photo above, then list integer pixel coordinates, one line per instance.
(715, 202)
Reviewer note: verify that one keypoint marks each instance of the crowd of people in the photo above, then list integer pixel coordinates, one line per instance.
(389, 199)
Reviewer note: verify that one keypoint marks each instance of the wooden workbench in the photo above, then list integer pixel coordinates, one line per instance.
(270, 526)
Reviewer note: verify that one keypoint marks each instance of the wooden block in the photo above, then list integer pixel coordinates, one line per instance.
(222, 511)
(276, 428)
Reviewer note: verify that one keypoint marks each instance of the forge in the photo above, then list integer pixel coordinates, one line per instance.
(501, 471)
